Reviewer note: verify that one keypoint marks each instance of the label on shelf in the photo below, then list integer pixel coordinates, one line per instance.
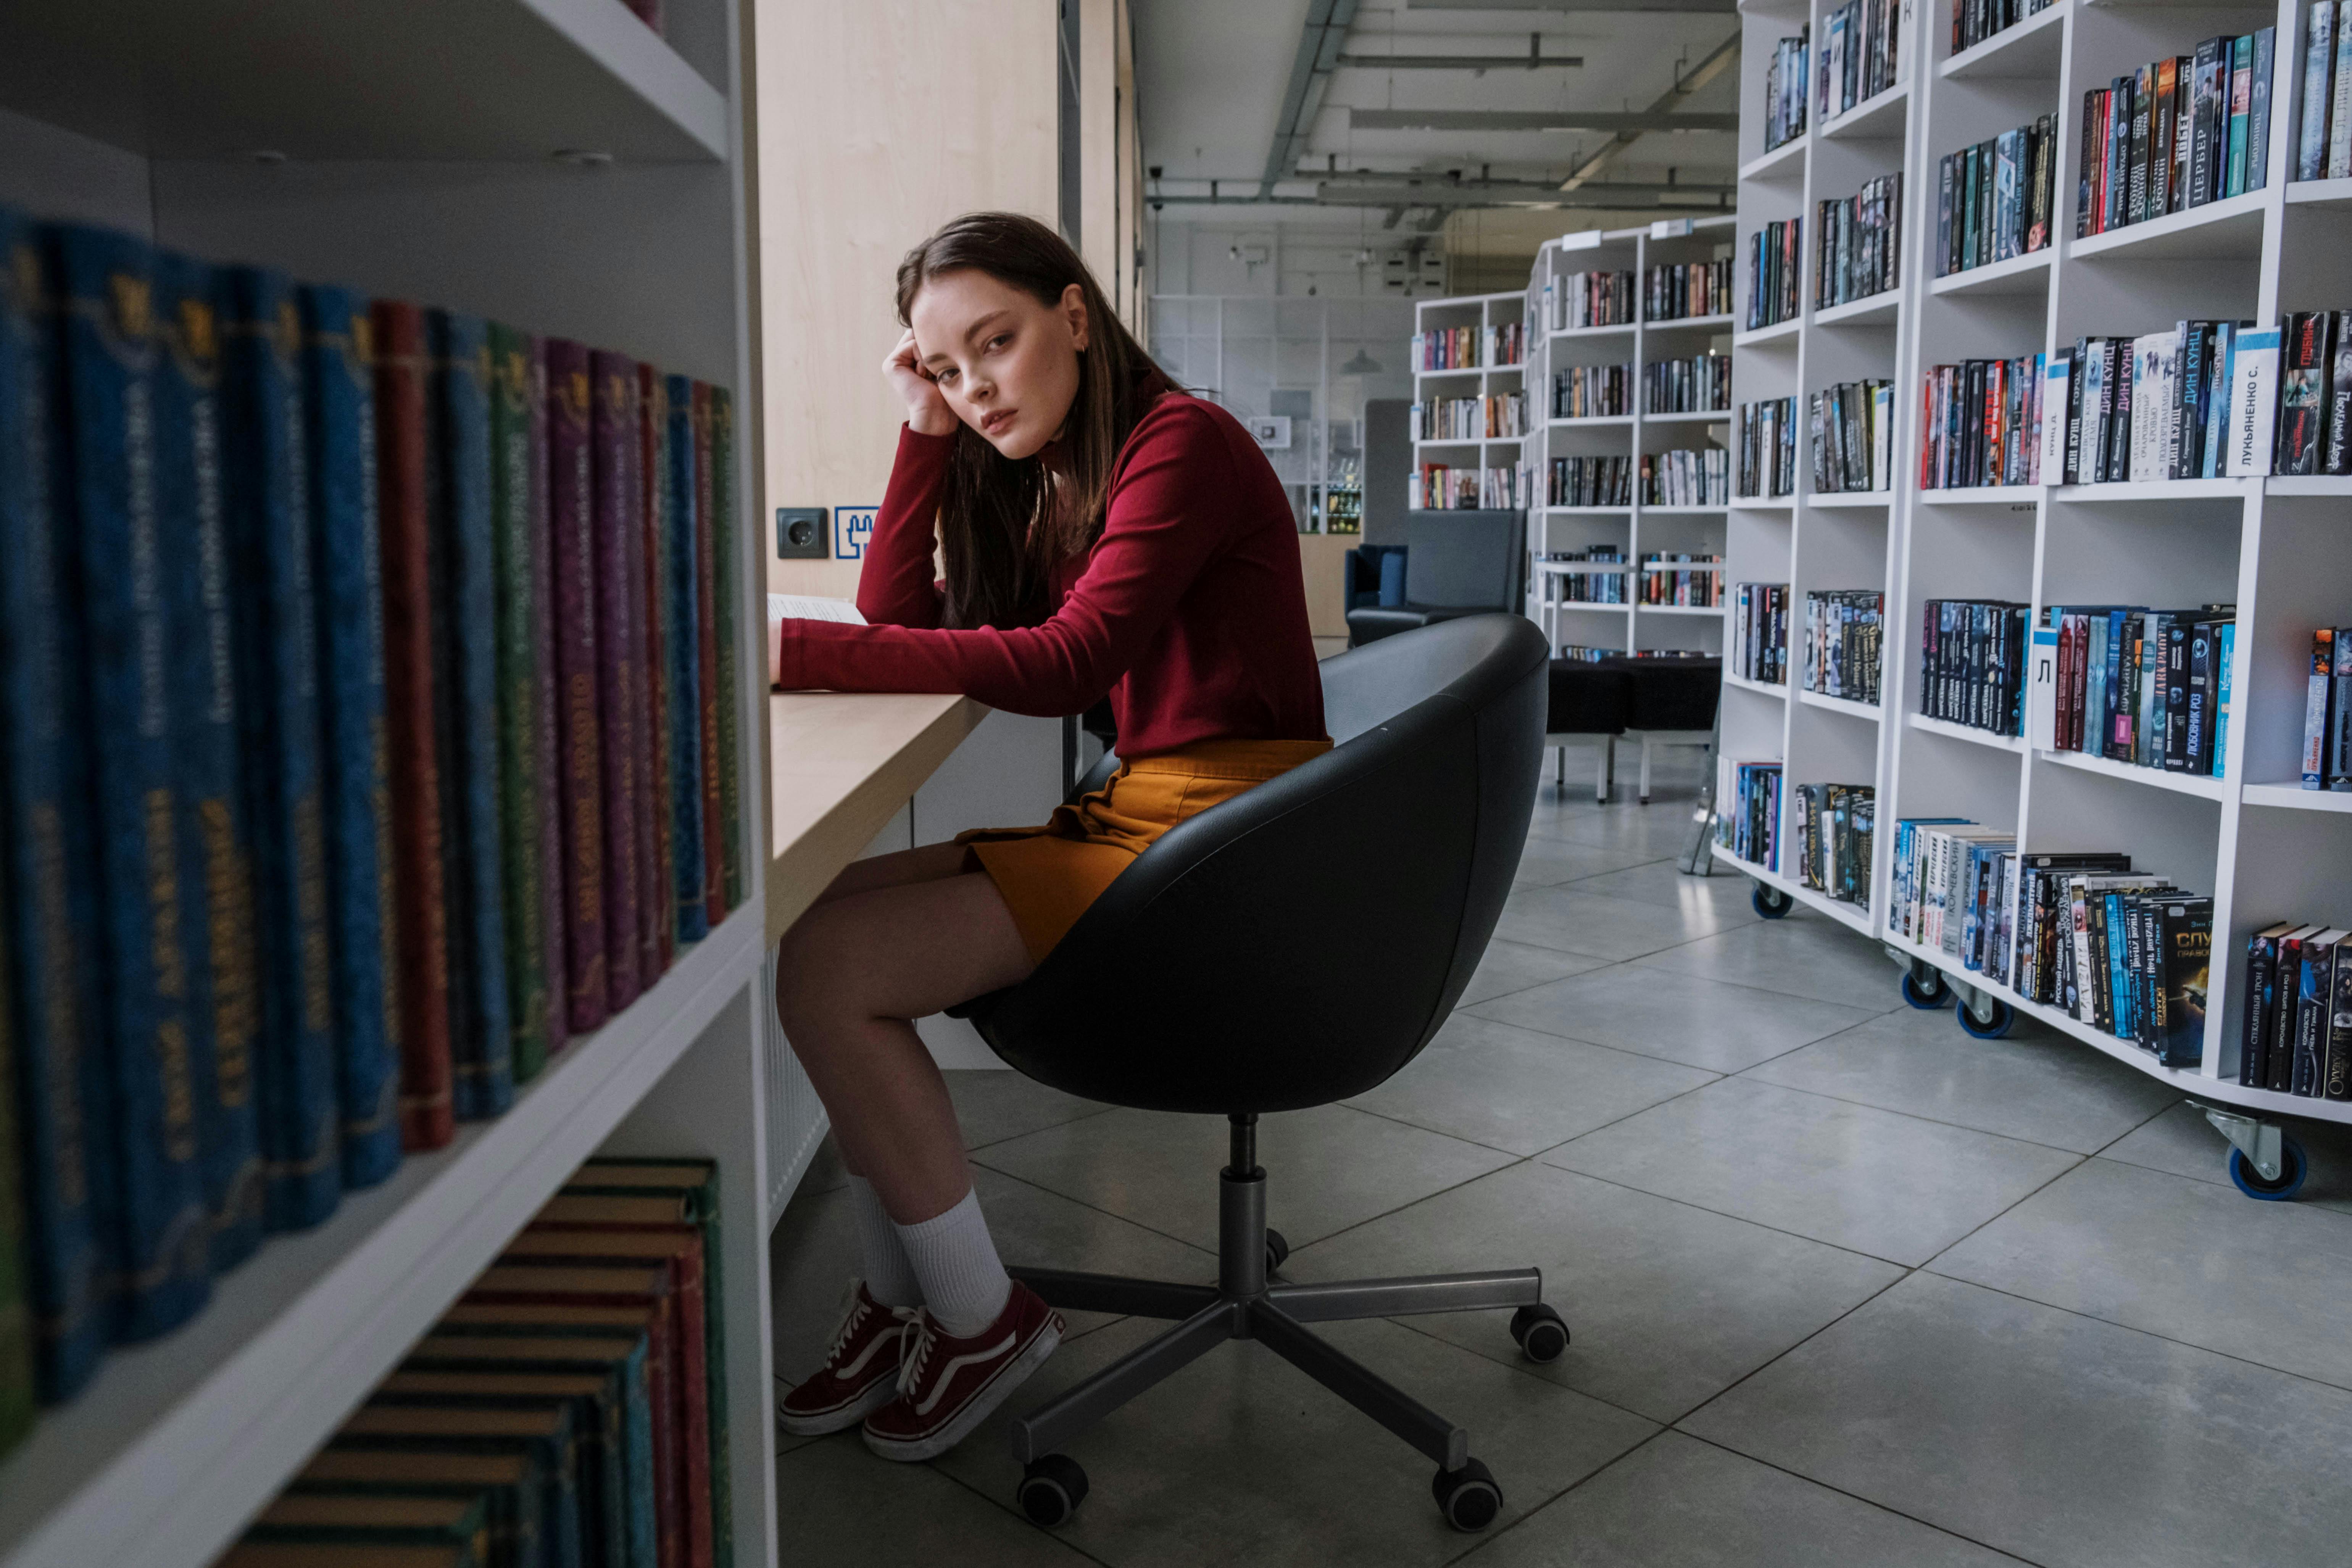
(2253, 401)
(2053, 426)
(2041, 681)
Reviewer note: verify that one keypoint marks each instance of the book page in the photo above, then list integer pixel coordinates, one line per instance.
(783, 607)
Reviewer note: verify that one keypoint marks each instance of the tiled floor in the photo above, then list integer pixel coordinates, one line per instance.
(1847, 1287)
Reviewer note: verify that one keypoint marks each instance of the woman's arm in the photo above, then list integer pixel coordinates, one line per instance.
(1170, 513)
(895, 587)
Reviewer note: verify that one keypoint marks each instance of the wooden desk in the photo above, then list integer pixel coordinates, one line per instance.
(839, 765)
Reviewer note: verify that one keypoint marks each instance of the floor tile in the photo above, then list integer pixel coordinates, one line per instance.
(838, 1504)
(1240, 1458)
(1660, 830)
(1601, 927)
(2038, 1084)
(2181, 1258)
(1723, 896)
(2065, 1440)
(1510, 966)
(1519, 1090)
(1547, 861)
(1684, 1018)
(1854, 1176)
(1666, 1305)
(1803, 954)
(1328, 1168)
(1676, 1503)
(992, 1105)
(2183, 1143)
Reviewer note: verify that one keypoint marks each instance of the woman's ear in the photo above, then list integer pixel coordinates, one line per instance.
(1074, 307)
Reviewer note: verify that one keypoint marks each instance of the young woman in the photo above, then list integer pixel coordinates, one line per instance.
(1102, 534)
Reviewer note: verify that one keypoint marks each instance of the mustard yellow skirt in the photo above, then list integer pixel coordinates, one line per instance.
(1050, 874)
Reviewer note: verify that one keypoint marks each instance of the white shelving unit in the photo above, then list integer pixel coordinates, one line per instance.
(1636, 528)
(557, 165)
(2264, 848)
(1481, 380)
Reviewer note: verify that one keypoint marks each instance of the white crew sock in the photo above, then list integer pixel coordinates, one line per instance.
(889, 1278)
(964, 1284)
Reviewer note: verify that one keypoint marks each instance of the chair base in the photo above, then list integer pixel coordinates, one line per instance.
(1244, 1304)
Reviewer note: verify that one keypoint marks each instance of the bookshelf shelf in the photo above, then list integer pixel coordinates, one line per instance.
(1590, 420)
(2127, 494)
(2319, 193)
(2026, 274)
(1874, 310)
(1867, 711)
(1761, 688)
(1784, 163)
(2017, 498)
(2034, 48)
(1764, 503)
(1715, 323)
(2295, 797)
(2227, 230)
(1714, 611)
(1586, 511)
(2308, 485)
(1648, 510)
(1717, 417)
(1835, 501)
(1778, 332)
(1616, 329)
(1879, 116)
(1968, 732)
(2153, 778)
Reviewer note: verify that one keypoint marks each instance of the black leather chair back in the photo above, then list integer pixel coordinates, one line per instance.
(1301, 942)
(1464, 560)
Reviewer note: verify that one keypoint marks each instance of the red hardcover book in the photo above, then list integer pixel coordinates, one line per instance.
(620, 676)
(677, 1248)
(653, 402)
(579, 728)
(714, 832)
(550, 816)
(427, 1114)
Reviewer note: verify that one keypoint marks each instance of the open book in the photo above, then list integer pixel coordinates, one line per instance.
(783, 607)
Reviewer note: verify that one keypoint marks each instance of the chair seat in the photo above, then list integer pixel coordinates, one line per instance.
(1587, 699)
(1372, 622)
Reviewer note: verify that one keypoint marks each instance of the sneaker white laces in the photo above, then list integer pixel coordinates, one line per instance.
(912, 1357)
(847, 1331)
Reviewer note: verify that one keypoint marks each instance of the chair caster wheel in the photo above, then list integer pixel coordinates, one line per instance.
(1276, 1250)
(1993, 1028)
(1926, 998)
(1468, 1497)
(1770, 902)
(1051, 1490)
(1541, 1333)
(2254, 1184)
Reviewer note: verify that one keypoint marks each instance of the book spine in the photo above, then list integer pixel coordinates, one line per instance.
(684, 652)
(613, 445)
(2335, 1074)
(2225, 645)
(2239, 75)
(47, 1005)
(114, 567)
(2315, 709)
(19, 1391)
(726, 620)
(428, 1119)
(659, 873)
(2314, 992)
(216, 841)
(2285, 1011)
(552, 939)
(2339, 98)
(2258, 109)
(714, 832)
(466, 700)
(2262, 960)
(573, 569)
(2319, 89)
(520, 780)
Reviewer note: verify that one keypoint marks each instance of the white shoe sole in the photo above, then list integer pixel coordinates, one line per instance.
(979, 1408)
(853, 1414)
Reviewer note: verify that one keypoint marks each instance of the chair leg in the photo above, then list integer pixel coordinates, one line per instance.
(1046, 1429)
(1385, 1403)
(1404, 1297)
(1608, 768)
(1114, 1293)
(1645, 770)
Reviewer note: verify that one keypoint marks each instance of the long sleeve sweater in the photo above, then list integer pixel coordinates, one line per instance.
(1189, 612)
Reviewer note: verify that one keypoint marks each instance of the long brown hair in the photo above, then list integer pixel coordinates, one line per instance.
(1002, 529)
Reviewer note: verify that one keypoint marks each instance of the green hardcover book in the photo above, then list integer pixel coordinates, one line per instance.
(16, 1396)
(595, 1400)
(727, 567)
(542, 1434)
(507, 1485)
(516, 638)
(694, 1184)
(341, 1554)
(359, 1519)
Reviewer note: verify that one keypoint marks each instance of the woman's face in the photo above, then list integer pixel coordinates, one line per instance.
(1006, 363)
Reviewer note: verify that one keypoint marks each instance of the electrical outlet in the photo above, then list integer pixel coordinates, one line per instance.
(800, 533)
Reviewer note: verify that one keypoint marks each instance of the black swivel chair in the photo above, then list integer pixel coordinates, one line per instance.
(1292, 947)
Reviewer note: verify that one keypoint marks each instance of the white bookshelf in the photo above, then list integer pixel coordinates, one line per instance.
(1480, 380)
(554, 164)
(1636, 528)
(2263, 847)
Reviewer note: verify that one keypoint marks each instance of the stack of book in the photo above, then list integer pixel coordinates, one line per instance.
(2314, 416)
(1972, 663)
(1865, 50)
(2197, 402)
(306, 862)
(1591, 482)
(1589, 300)
(1665, 582)
(2297, 1035)
(1686, 477)
(1842, 643)
(1768, 448)
(1506, 344)
(1682, 291)
(1981, 424)
(1588, 587)
(1759, 632)
(1852, 427)
(1831, 831)
(1591, 391)
(1861, 243)
(2322, 148)
(2328, 711)
(1974, 21)
(1699, 385)
(1446, 348)
(1439, 487)
(2175, 133)
(1993, 200)
(2150, 687)
(1502, 415)
(569, 1410)
(1784, 90)
(1772, 272)
(1748, 811)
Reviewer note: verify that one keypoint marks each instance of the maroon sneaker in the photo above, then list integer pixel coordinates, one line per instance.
(947, 1385)
(860, 1373)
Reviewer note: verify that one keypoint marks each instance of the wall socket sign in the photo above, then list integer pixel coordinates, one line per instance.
(1272, 430)
(853, 528)
(800, 533)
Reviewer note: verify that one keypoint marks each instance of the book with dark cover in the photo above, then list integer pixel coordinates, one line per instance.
(544, 1435)
(2314, 1004)
(714, 831)
(2318, 708)
(2261, 1006)
(727, 552)
(553, 937)
(2175, 630)
(683, 652)
(2286, 1008)
(2184, 935)
(114, 562)
(362, 917)
(2203, 187)
(579, 730)
(2335, 1068)
(620, 681)
(659, 870)
(2305, 355)
(593, 1399)
(19, 1391)
(515, 609)
(507, 1485)
(2237, 83)
(216, 841)
(2258, 111)
(460, 1524)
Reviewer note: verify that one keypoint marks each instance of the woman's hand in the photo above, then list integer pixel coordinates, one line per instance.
(927, 412)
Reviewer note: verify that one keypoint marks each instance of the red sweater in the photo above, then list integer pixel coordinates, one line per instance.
(1189, 611)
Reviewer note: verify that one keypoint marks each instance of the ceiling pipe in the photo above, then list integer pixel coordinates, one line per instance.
(1505, 119)
(1325, 29)
(1533, 60)
(1687, 83)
